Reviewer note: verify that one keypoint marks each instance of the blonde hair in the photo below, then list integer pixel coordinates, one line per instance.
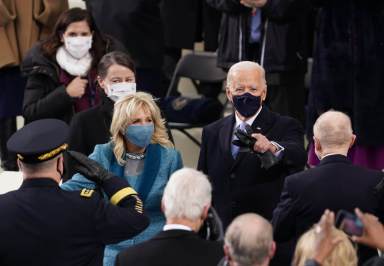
(343, 253)
(124, 110)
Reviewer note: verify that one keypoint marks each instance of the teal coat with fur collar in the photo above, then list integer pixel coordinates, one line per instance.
(159, 164)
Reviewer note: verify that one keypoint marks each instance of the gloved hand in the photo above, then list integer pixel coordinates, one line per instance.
(244, 139)
(89, 168)
(246, 143)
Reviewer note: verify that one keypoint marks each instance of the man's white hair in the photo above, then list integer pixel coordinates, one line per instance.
(186, 194)
(249, 239)
(248, 65)
(333, 129)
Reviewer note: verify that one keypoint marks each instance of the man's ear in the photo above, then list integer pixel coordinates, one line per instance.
(272, 250)
(204, 215)
(20, 165)
(317, 144)
(353, 140)
(227, 254)
(264, 94)
(229, 94)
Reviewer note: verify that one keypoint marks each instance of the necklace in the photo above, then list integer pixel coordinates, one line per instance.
(135, 156)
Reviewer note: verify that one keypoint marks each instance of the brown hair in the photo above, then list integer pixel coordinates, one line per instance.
(50, 46)
(114, 58)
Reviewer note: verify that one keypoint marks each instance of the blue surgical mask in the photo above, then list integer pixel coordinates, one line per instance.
(140, 135)
(247, 104)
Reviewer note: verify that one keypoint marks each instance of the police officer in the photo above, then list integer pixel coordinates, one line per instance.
(42, 224)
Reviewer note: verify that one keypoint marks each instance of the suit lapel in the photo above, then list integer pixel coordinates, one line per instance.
(225, 138)
(263, 122)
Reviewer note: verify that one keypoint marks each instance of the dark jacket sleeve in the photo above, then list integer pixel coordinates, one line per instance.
(294, 154)
(283, 220)
(119, 220)
(42, 99)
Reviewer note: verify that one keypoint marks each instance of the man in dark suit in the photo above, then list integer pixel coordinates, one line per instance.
(44, 225)
(335, 184)
(185, 203)
(240, 183)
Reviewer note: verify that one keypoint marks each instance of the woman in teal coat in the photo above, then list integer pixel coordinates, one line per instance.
(141, 153)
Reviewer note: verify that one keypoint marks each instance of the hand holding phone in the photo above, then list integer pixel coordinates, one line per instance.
(373, 234)
(349, 223)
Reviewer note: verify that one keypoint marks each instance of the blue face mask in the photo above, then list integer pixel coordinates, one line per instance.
(247, 104)
(140, 135)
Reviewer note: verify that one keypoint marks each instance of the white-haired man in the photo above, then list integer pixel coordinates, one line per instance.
(335, 184)
(185, 203)
(249, 242)
(239, 182)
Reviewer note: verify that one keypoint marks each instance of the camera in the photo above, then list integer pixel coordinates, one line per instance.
(349, 223)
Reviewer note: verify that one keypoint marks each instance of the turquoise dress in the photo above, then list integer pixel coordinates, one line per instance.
(159, 164)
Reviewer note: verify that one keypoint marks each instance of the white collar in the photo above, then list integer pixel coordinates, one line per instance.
(330, 154)
(176, 227)
(249, 121)
(75, 67)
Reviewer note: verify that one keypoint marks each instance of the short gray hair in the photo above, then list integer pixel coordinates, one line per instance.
(333, 129)
(186, 194)
(29, 168)
(249, 239)
(244, 65)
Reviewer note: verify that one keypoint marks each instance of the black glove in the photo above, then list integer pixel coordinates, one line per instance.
(212, 228)
(244, 139)
(246, 142)
(89, 168)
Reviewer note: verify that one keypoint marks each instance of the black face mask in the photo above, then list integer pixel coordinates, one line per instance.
(247, 104)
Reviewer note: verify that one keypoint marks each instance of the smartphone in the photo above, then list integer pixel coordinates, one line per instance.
(349, 223)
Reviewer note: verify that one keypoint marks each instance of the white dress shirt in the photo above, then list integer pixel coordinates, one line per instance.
(176, 227)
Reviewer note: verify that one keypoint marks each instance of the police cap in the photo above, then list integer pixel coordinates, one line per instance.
(39, 141)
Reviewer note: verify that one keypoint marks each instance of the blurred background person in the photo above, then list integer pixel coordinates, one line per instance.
(347, 74)
(61, 70)
(248, 242)
(138, 25)
(185, 203)
(22, 23)
(140, 152)
(116, 79)
(274, 34)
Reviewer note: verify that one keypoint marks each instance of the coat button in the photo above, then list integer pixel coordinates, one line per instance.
(232, 176)
(233, 204)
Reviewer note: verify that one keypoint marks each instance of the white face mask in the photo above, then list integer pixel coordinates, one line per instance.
(78, 46)
(117, 91)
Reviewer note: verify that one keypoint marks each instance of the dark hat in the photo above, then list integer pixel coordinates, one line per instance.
(39, 141)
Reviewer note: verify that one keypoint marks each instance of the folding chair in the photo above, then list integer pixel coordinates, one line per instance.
(198, 67)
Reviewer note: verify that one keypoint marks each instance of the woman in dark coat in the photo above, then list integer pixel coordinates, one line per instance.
(348, 74)
(116, 79)
(61, 71)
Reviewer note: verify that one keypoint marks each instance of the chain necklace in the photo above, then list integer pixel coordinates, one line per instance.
(135, 156)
